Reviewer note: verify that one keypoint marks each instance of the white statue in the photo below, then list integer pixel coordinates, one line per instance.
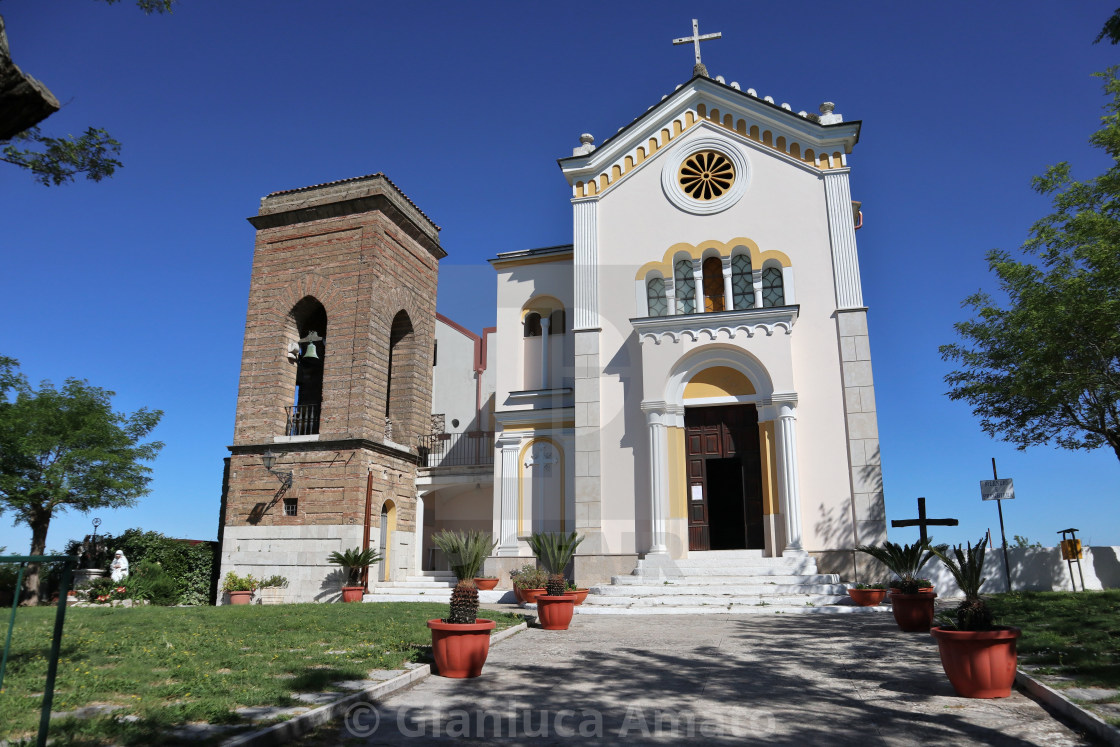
(119, 568)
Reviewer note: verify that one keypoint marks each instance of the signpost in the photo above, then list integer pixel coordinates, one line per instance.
(999, 491)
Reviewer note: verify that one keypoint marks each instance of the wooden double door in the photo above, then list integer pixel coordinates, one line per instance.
(724, 491)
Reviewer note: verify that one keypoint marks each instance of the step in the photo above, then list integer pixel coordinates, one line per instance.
(485, 597)
(673, 590)
(729, 580)
(700, 600)
(830, 609)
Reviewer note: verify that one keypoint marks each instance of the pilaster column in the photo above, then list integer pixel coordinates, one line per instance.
(842, 236)
(698, 285)
(510, 444)
(728, 296)
(419, 535)
(788, 488)
(586, 331)
(585, 256)
(756, 281)
(658, 417)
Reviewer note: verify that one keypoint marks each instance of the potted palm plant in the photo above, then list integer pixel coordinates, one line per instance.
(461, 641)
(353, 562)
(466, 552)
(554, 551)
(978, 656)
(911, 597)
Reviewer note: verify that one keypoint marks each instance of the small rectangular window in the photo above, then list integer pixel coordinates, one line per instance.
(435, 352)
(290, 506)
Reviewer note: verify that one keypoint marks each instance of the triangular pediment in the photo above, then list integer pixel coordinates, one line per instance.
(703, 102)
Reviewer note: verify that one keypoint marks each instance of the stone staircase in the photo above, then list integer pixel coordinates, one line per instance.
(723, 581)
(430, 586)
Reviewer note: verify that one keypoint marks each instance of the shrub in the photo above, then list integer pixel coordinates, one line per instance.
(233, 582)
(465, 551)
(190, 566)
(149, 582)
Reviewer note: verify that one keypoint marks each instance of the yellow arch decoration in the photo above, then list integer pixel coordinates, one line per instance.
(390, 527)
(718, 381)
(665, 265)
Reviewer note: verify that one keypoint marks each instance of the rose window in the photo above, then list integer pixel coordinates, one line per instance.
(706, 175)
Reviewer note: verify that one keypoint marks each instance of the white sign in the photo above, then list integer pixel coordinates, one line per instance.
(1001, 489)
(697, 492)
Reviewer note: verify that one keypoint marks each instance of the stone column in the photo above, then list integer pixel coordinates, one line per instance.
(842, 236)
(657, 419)
(756, 281)
(728, 294)
(671, 296)
(545, 340)
(510, 444)
(698, 286)
(788, 487)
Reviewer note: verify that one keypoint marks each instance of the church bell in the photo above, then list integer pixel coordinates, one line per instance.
(310, 352)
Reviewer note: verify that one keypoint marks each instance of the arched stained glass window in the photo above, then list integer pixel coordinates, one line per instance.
(742, 282)
(713, 284)
(686, 287)
(773, 292)
(655, 297)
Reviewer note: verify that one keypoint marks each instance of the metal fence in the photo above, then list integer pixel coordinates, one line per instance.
(470, 449)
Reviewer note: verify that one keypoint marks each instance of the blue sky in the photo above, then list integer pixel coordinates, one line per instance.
(140, 283)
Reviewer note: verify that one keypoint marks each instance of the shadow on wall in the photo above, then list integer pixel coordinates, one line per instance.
(330, 590)
(1035, 569)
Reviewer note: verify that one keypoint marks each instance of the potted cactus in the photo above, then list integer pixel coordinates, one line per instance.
(461, 641)
(353, 562)
(979, 657)
(555, 607)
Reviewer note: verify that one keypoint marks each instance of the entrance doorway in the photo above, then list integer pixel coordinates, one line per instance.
(724, 479)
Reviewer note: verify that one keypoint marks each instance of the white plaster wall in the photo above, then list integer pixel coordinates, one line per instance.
(1034, 569)
(297, 552)
(783, 209)
(516, 287)
(454, 384)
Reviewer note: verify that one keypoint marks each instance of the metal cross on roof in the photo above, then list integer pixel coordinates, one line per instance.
(696, 38)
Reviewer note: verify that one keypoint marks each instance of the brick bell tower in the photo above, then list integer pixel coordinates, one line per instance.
(336, 383)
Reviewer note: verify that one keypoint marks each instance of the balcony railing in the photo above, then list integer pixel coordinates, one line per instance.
(471, 449)
(303, 420)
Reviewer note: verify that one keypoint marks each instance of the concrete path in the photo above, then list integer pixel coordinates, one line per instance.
(711, 679)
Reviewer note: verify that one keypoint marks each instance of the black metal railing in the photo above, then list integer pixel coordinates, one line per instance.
(303, 420)
(470, 449)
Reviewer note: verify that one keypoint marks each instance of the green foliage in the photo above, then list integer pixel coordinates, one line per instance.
(967, 566)
(1021, 541)
(1111, 29)
(554, 550)
(66, 448)
(869, 586)
(274, 582)
(233, 582)
(190, 566)
(464, 603)
(149, 6)
(148, 582)
(58, 160)
(528, 576)
(354, 561)
(465, 551)
(1045, 366)
(903, 561)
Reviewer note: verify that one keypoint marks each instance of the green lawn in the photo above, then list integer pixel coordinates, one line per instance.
(1068, 634)
(172, 666)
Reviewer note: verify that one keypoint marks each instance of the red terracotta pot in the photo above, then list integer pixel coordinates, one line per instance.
(486, 584)
(555, 613)
(353, 593)
(979, 663)
(922, 590)
(529, 596)
(579, 594)
(867, 597)
(238, 597)
(460, 650)
(913, 612)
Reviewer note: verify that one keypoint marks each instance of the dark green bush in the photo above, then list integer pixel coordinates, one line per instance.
(149, 582)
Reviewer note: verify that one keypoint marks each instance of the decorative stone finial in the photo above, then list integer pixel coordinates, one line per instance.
(587, 145)
(829, 114)
(700, 69)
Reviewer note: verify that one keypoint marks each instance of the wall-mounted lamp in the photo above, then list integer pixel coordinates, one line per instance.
(268, 458)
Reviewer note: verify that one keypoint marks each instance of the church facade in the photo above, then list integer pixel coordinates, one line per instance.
(691, 373)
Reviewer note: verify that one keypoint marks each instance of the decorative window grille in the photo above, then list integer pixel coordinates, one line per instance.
(686, 287)
(773, 293)
(655, 297)
(713, 284)
(742, 282)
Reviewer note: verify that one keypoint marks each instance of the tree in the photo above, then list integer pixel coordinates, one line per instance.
(25, 102)
(66, 449)
(1045, 367)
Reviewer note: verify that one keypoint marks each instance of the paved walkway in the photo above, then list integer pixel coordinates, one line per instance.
(711, 679)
